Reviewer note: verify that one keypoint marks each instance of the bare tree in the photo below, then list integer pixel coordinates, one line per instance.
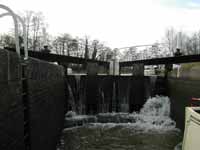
(94, 44)
(194, 43)
(86, 55)
(35, 27)
(27, 17)
(37, 24)
(65, 40)
(73, 47)
(55, 45)
(7, 40)
(170, 38)
(198, 42)
(98, 49)
(63, 43)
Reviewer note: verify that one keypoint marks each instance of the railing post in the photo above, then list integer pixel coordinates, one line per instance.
(138, 70)
(168, 68)
(120, 69)
(114, 67)
(92, 68)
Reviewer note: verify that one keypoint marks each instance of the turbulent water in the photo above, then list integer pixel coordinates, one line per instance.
(151, 129)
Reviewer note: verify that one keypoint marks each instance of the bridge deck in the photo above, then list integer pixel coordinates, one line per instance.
(160, 61)
(61, 58)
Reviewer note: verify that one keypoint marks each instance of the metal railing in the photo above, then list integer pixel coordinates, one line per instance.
(15, 19)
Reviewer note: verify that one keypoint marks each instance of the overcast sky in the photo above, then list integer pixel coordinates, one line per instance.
(119, 23)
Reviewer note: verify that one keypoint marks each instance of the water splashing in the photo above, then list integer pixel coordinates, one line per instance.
(156, 106)
(155, 114)
(71, 99)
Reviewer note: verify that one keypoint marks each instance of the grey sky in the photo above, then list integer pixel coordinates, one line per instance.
(117, 22)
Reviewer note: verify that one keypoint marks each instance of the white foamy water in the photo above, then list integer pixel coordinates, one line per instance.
(155, 115)
(156, 106)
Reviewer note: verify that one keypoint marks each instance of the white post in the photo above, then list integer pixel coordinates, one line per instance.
(24, 37)
(114, 67)
(178, 46)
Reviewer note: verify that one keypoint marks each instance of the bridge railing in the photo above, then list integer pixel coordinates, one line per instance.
(167, 61)
(163, 61)
(89, 64)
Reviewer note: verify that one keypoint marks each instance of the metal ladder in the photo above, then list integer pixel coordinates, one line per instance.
(26, 105)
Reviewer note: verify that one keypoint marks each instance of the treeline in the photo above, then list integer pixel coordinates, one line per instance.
(188, 43)
(64, 44)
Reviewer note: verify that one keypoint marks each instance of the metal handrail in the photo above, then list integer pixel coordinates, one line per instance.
(15, 19)
(24, 33)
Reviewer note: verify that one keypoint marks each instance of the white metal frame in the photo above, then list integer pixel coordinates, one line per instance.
(15, 19)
